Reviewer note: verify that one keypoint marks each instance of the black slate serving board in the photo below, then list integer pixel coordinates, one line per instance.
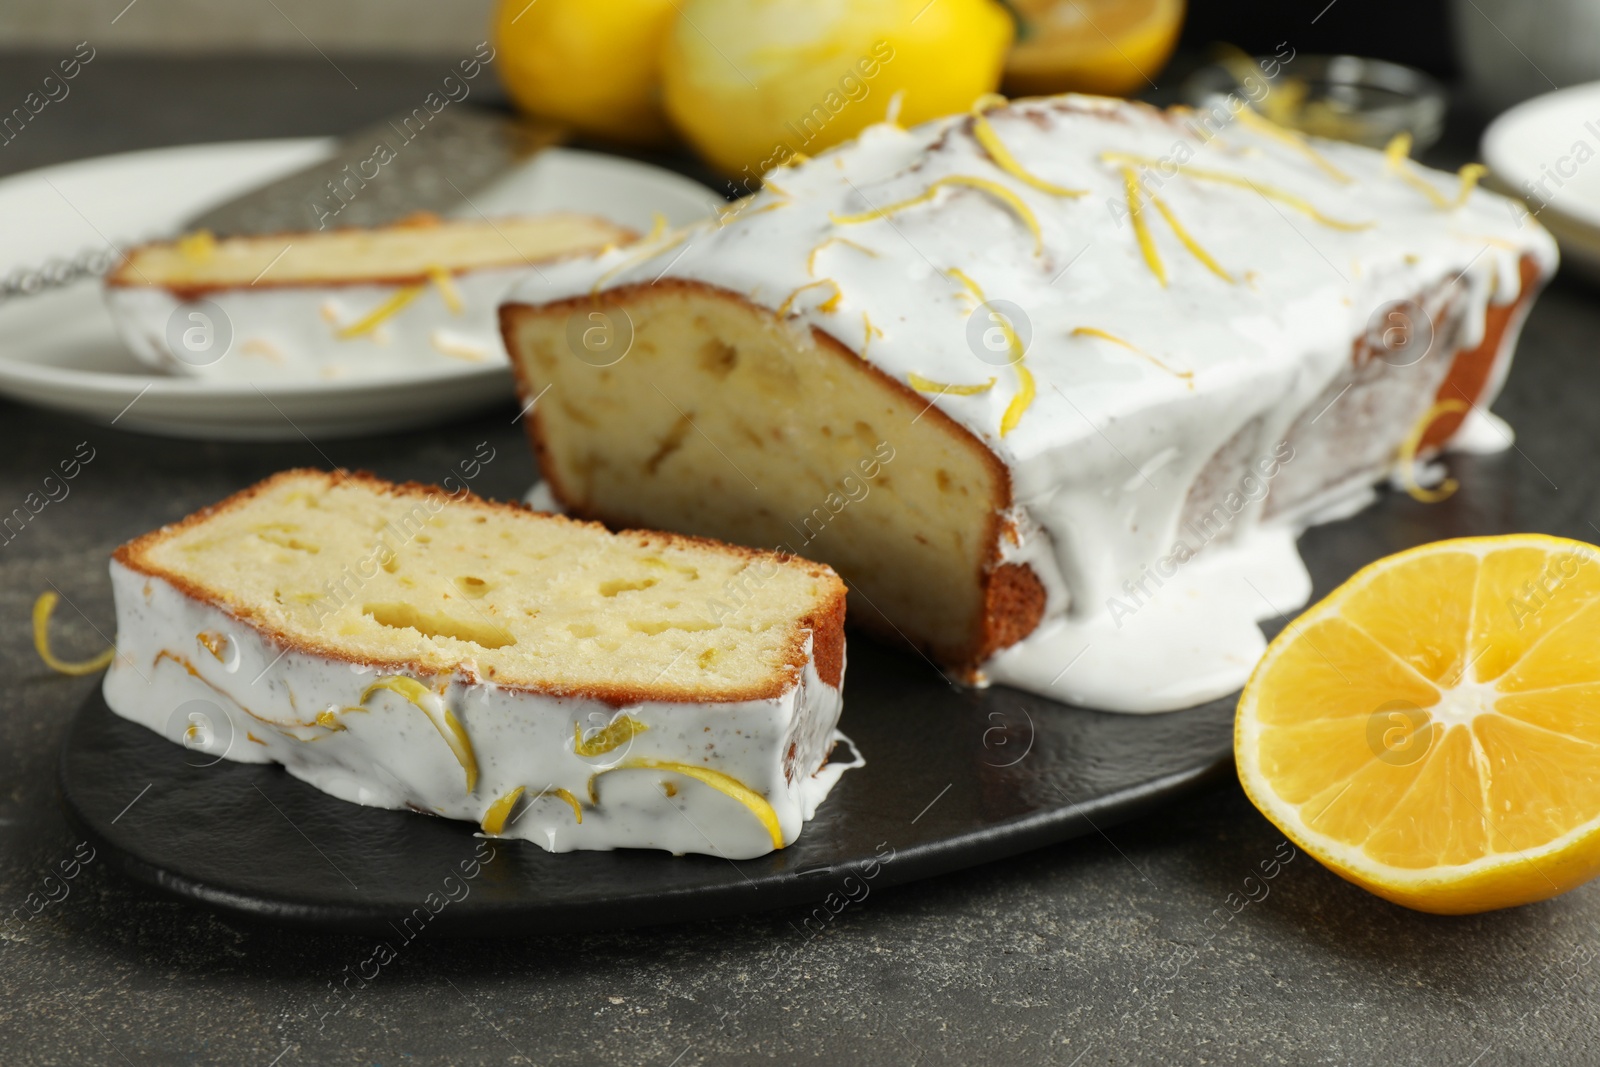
(954, 777)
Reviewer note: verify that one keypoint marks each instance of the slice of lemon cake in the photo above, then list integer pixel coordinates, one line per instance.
(1054, 385)
(405, 647)
(415, 295)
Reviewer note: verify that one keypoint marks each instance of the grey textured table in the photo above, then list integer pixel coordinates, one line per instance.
(1118, 948)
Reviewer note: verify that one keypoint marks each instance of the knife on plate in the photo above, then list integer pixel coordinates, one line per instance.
(415, 162)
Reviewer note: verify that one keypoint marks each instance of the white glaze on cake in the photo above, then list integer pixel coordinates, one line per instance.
(259, 704)
(1103, 459)
(291, 332)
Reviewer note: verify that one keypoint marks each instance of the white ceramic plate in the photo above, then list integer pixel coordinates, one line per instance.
(1551, 145)
(58, 349)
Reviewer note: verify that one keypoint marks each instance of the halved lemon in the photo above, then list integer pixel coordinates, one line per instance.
(1431, 730)
(1111, 47)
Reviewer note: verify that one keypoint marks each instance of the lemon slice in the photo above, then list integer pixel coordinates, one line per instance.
(1431, 730)
(1112, 47)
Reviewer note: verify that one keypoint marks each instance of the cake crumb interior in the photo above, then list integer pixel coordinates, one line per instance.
(353, 567)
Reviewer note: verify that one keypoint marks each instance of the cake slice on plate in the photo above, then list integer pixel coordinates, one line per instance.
(406, 647)
(414, 295)
(1054, 385)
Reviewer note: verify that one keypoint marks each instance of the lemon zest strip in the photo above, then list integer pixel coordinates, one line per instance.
(374, 318)
(1271, 192)
(1397, 156)
(1408, 454)
(722, 783)
(634, 260)
(613, 736)
(197, 247)
(1188, 241)
(1265, 126)
(494, 819)
(446, 285)
(214, 643)
(984, 133)
(183, 661)
(884, 212)
(972, 287)
(564, 794)
(43, 608)
(456, 349)
(329, 718)
(1091, 331)
(658, 226)
(891, 110)
(443, 719)
(869, 332)
(775, 205)
(827, 305)
(1006, 197)
(1019, 403)
(1141, 229)
(811, 259)
(1026, 390)
(976, 292)
(1469, 174)
(928, 385)
(1397, 151)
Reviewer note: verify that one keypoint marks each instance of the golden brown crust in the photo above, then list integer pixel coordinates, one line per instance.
(1009, 613)
(126, 276)
(827, 639)
(1014, 602)
(824, 627)
(1470, 373)
(510, 315)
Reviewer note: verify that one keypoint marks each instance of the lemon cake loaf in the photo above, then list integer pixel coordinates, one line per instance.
(1054, 385)
(403, 647)
(336, 303)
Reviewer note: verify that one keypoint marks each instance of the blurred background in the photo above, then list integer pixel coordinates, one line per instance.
(1494, 53)
(393, 27)
(724, 90)
(1416, 32)
(1497, 52)
(1409, 31)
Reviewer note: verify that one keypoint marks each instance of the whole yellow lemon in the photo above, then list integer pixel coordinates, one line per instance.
(751, 82)
(594, 65)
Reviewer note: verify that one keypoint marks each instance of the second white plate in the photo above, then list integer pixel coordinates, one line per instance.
(59, 349)
(1545, 150)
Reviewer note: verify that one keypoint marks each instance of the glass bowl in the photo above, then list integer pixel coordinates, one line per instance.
(1349, 98)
